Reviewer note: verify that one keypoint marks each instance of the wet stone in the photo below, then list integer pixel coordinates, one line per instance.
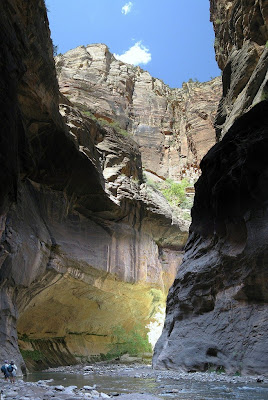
(59, 388)
(89, 387)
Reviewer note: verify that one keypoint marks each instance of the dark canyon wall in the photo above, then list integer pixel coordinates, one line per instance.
(217, 306)
(85, 245)
(241, 36)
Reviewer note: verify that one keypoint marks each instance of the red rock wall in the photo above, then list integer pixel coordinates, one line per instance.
(173, 127)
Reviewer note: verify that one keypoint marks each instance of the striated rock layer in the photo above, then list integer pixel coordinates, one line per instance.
(217, 308)
(173, 127)
(84, 245)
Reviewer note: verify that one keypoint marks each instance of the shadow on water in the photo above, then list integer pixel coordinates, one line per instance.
(165, 388)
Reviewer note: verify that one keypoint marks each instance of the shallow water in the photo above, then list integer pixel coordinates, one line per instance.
(185, 389)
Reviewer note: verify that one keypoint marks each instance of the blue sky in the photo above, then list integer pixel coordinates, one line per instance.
(172, 39)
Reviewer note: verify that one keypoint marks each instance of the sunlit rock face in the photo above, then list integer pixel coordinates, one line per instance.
(97, 267)
(217, 307)
(84, 244)
(173, 127)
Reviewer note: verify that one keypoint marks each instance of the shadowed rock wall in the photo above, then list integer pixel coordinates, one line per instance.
(217, 307)
(241, 34)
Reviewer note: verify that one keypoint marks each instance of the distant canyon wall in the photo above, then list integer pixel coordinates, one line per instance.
(216, 315)
(173, 127)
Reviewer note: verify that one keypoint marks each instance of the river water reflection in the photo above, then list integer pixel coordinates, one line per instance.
(166, 388)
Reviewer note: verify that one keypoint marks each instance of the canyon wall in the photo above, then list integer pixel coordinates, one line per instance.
(241, 35)
(85, 245)
(173, 127)
(216, 315)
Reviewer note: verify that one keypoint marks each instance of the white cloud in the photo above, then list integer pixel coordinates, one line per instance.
(127, 8)
(137, 54)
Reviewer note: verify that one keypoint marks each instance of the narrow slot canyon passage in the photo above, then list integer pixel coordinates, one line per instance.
(133, 214)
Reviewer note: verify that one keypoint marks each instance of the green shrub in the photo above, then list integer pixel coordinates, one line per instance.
(34, 355)
(215, 369)
(133, 342)
(175, 192)
(89, 114)
(150, 182)
(103, 121)
(114, 125)
(191, 80)
(186, 216)
(24, 337)
(220, 370)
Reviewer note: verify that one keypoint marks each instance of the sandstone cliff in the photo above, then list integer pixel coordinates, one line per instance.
(217, 307)
(173, 127)
(84, 244)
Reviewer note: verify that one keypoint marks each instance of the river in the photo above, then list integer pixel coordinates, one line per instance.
(120, 379)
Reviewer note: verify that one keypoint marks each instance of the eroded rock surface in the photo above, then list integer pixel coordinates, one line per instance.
(173, 127)
(217, 307)
(84, 245)
(242, 54)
